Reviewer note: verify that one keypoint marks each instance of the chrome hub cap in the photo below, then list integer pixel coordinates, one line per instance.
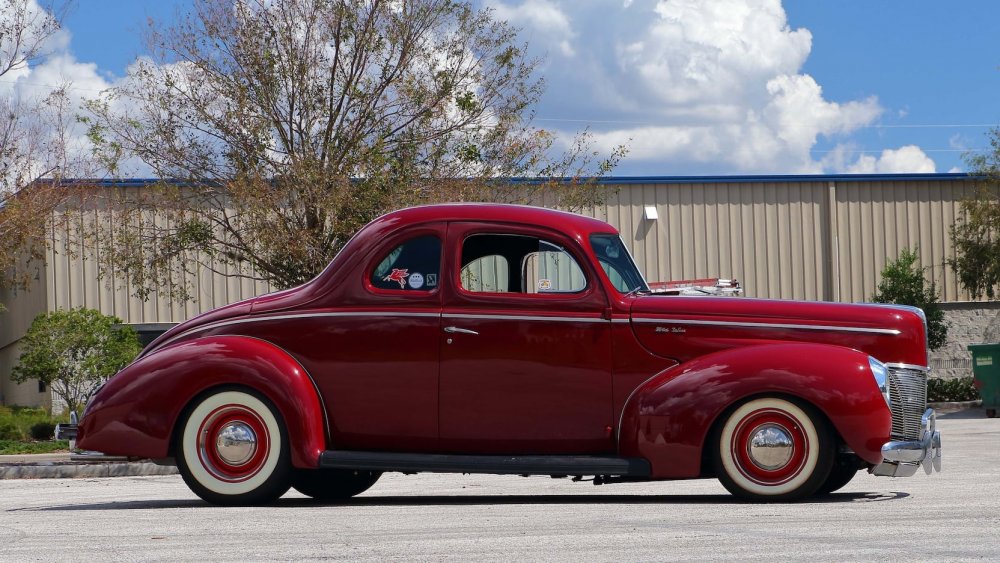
(236, 443)
(770, 447)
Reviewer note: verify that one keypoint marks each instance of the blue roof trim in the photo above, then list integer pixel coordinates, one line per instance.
(123, 182)
(770, 178)
(626, 180)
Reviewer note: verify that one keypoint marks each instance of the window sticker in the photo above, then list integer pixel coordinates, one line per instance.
(432, 280)
(416, 280)
(398, 275)
(544, 284)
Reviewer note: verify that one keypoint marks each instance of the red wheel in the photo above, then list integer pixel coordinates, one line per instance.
(773, 449)
(233, 449)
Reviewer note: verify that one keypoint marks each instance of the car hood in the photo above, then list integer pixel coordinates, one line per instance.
(687, 327)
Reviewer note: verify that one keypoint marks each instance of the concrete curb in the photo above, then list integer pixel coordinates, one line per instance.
(45, 467)
(951, 406)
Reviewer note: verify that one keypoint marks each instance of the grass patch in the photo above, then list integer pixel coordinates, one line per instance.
(15, 447)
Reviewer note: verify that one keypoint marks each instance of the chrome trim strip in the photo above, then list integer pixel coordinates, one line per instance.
(525, 318)
(245, 320)
(909, 366)
(621, 321)
(767, 325)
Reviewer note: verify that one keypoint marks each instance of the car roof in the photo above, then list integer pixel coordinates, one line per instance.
(569, 223)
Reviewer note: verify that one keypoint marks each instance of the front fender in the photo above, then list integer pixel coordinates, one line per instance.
(669, 417)
(136, 412)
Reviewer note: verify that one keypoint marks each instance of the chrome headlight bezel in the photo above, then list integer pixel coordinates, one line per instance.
(881, 374)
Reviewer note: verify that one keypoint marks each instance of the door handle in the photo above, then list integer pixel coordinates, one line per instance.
(455, 329)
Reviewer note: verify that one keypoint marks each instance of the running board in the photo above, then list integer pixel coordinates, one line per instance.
(494, 464)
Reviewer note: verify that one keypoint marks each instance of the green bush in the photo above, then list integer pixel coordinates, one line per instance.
(42, 430)
(946, 390)
(903, 283)
(19, 423)
(10, 431)
(75, 351)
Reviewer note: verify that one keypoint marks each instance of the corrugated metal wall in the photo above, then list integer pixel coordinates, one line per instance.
(22, 308)
(784, 240)
(73, 281)
(814, 240)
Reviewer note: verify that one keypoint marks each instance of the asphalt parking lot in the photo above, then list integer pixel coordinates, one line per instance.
(953, 515)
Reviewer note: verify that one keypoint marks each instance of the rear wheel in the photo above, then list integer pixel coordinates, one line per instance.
(333, 484)
(773, 449)
(233, 449)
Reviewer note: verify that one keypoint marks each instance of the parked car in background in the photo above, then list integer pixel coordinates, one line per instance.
(475, 338)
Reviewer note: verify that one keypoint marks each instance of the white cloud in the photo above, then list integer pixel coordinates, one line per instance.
(688, 85)
(847, 158)
(549, 23)
(51, 138)
(906, 159)
(706, 87)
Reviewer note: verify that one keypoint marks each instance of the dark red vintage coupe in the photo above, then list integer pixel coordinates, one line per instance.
(518, 340)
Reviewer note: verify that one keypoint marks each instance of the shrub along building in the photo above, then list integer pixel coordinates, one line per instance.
(817, 237)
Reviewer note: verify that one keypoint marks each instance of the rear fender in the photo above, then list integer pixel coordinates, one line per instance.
(137, 411)
(669, 417)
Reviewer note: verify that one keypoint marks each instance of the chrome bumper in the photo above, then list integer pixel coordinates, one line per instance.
(902, 458)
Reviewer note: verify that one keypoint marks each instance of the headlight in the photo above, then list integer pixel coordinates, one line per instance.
(881, 375)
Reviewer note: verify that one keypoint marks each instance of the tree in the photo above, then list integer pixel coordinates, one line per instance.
(286, 125)
(75, 351)
(26, 146)
(903, 283)
(976, 233)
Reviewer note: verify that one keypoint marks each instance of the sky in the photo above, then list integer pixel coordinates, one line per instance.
(720, 87)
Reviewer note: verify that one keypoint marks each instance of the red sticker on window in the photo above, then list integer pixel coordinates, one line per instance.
(398, 276)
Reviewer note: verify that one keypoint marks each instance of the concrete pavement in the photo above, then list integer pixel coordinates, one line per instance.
(950, 515)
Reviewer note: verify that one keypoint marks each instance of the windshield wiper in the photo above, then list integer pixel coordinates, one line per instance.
(637, 291)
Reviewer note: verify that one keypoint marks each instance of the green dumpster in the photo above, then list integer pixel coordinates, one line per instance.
(986, 371)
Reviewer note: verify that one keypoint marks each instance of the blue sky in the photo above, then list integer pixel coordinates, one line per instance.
(720, 87)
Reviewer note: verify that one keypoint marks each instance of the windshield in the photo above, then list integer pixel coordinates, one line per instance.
(617, 263)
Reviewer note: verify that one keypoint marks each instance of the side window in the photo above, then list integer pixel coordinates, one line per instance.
(552, 270)
(488, 274)
(494, 263)
(413, 266)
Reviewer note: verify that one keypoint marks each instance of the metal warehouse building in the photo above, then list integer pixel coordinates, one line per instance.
(817, 237)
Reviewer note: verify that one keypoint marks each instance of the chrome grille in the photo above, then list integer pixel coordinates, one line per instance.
(908, 395)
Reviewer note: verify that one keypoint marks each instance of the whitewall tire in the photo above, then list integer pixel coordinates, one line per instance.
(233, 449)
(773, 449)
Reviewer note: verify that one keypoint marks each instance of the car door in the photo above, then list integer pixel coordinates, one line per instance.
(376, 356)
(525, 345)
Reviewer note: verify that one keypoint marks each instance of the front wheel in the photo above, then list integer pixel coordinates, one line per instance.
(845, 468)
(773, 449)
(233, 449)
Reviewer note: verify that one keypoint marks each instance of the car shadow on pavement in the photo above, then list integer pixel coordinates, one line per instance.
(473, 500)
